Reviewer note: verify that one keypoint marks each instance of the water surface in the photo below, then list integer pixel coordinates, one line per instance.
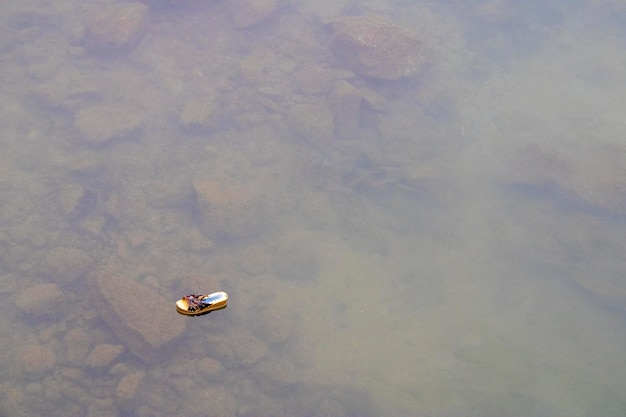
(456, 250)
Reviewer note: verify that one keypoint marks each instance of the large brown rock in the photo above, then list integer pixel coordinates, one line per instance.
(375, 47)
(145, 322)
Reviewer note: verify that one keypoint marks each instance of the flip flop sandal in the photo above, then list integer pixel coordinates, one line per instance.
(195, 305)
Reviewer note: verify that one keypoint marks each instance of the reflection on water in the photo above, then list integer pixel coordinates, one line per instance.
(416, 210)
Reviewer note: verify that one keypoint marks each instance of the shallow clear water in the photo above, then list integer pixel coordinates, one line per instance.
(451, 246)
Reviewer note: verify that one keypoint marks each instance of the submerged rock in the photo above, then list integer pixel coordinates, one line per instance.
(142, 319)
(66, 265)
(41, 300)
(118, 27)
(77, 344)
(277, 377)
(228, 209)
(103, 355)
(344, 102)
(36, 359)
(239, 349)
(102, 123)
(248, 13)
(589, 176)
(71, 200)
(312, 122)
(201, 113)
(375, 47)
(126, 390)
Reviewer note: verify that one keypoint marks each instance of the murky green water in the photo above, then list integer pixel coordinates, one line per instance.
(451, 244)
